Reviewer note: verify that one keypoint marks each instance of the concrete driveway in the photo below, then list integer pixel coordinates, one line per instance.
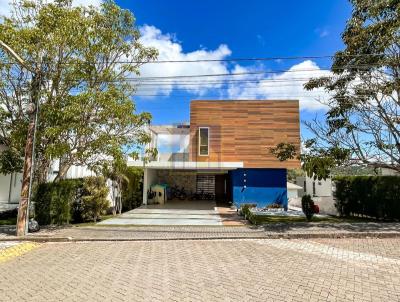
(193, 212)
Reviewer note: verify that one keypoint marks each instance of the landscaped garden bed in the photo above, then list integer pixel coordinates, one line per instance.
(259, 216)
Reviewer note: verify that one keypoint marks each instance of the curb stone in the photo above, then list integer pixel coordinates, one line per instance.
(379, 235)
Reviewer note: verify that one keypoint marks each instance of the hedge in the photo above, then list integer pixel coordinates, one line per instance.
(55, 202)
(132, 189)
(370, 196)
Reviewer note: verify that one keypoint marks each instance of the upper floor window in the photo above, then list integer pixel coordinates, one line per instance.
(203, 140)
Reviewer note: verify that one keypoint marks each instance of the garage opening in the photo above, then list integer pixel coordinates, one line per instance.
(205, 184)
(214, 184)
(190, 184)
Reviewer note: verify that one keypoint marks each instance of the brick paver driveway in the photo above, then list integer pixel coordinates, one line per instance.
(197, 270)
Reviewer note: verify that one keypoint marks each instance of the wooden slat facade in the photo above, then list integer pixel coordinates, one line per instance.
(245, 130)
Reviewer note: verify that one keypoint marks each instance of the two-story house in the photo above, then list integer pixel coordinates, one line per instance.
(225, 151)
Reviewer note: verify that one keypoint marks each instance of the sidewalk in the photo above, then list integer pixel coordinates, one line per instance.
(270, 231)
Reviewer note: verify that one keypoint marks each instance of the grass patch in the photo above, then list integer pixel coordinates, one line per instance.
(91, 223)
(8, 221)
(13, 221)
(264, 219)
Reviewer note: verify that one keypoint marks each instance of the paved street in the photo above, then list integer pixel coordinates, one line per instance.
(197, 270)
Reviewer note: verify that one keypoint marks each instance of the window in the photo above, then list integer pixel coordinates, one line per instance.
(203, 141)
(305, 187)
(313, 188)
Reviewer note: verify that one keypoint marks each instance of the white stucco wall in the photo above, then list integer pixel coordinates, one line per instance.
(10, 199)
(16, 188)
(326, 204)
(149, 179)
(10, 190)
(292, 193)
(4, 187)
(323, 188)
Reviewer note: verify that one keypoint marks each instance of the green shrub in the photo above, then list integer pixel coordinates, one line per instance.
(53, 201)
(71, 200)
(9, 214)
(132, 194)
(371, 196)
(94, 197)
(245, 209)
(308, 206)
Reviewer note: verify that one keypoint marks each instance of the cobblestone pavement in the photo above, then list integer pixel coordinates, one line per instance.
(275, 230)
(10, 250)
(197, 270)
(7, 244)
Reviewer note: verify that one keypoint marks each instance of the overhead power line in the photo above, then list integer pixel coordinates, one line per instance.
(246, 59)
(240, 73)
(243, 96)
(229, 59)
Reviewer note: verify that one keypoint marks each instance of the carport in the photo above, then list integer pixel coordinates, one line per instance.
(194, 177)
(174, 212)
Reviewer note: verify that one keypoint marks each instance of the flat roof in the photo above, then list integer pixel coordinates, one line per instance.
(186, 165)
(170, 129)
(246, 100)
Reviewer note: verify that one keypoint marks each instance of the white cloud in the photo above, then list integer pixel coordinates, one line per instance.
(261, 39)
(171, 50)
(5, 7)
(286, 85)
(86, 2)
(322, 32)
(261, 87)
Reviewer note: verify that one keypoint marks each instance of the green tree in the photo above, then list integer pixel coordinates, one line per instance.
(94, 197)
(132, 193)
(293, 173)
(362, 125)
(86, 58)
(115, 171)
(10, 161)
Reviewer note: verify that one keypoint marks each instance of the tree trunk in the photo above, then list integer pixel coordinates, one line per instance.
(119, 196)
(23, 211)
(42, 170)
(61, 173)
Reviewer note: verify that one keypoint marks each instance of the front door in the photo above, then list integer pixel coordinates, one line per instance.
(220, 187)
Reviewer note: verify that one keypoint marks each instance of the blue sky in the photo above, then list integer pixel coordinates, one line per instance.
(251, 28)
(224, 29)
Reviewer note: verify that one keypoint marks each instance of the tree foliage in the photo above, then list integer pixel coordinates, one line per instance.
(86, 112)
(292, 174)
(363, 119)
(362, 124)
(94, 197)
(316, 162)
(132, 189)
(10, 161)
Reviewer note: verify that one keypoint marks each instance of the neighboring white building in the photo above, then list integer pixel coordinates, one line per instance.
(10, 185)
(320, 190)
(293, 190)
(314, 187)
(10, 190)
(389, 172)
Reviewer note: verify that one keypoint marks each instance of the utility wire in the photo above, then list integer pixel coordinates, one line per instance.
(236, 74)
(229, 59)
